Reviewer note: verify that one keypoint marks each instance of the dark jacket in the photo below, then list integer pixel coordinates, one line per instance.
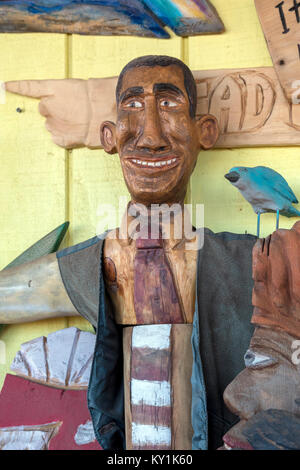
(221, 334)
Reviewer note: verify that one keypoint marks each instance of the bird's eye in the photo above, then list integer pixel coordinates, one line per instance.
(134, 104)
(168, 103)
(255, 360)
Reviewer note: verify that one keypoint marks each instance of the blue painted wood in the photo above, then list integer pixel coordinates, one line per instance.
(187, 17)
(97, 17)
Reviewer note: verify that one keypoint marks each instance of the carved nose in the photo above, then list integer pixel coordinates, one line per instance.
(233, 176)
(152, 140)
(152, 135)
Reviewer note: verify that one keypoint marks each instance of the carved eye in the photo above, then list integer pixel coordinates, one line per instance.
(134, 104)
(168, 104)
(255, 360)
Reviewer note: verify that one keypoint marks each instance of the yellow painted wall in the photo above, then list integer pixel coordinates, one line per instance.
(42, 185)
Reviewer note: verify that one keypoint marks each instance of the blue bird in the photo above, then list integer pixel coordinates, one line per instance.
(266, 191)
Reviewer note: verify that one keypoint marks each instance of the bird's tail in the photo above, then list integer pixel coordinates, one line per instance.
(291, 212)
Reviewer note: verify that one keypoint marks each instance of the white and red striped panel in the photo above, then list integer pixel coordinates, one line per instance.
(150, 387)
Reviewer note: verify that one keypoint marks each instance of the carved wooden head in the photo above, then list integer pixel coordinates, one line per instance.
(157, 134)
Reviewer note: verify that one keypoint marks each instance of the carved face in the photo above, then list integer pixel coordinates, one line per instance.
(271, 380)
(156, 138)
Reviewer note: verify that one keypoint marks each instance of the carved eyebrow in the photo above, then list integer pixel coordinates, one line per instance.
(133, 91)
(167, 87)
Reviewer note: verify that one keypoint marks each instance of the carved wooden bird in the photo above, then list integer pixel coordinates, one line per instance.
(266, 191)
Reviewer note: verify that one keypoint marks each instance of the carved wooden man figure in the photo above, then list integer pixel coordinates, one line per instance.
(173, 322)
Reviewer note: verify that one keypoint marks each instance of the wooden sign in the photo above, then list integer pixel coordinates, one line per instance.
(110, 17)
(187, 18)
(249, 104)
(280, 21)
(104, 17)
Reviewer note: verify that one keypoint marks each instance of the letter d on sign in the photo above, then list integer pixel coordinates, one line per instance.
(296, 354)
(2, 353)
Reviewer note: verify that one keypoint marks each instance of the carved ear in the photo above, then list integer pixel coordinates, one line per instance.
(208, 131)
(108, 137)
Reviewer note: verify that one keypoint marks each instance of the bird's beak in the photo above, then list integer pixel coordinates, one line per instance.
(233, 176)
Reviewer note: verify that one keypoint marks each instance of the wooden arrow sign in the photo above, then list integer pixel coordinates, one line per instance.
(280, 21)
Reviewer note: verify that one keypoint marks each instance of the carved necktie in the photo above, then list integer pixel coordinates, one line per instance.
(155, 295)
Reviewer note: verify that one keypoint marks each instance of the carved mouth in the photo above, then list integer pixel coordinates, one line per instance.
(164, 163)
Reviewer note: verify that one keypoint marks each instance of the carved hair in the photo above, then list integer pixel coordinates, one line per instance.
(163, 61)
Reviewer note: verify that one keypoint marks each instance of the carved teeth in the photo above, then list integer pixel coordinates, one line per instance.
(154, 164)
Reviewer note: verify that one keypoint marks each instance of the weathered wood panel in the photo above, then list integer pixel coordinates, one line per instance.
(280, 24)
(107, 17)
(24, 403)
(158, 386)
(62, 360)
(249, 104)
(187, 18)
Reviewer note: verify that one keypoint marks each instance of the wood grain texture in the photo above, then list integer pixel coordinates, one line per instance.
(127, 337)
(85, 17)
(181, 256)
(150, 413)
(182, 361)
(187, 18)
(62, 360)
(276, 275)
(248, 103)
(150, 387)
(23, 402)
(280, 24)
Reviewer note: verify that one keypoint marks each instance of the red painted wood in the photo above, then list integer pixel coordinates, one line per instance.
(27, 403)
(147, 414)
(150, 364)
(154, 286)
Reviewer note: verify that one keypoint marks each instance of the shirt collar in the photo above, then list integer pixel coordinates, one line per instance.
(174, 234)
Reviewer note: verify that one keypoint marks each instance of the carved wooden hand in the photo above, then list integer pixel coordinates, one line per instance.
(276, 272)
(73, 108)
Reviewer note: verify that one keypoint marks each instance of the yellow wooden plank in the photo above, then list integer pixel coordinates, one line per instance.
(242, 45)
(224, 206)
(32, 176)
(104, 56)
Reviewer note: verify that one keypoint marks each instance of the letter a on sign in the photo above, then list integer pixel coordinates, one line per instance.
(280, 21)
